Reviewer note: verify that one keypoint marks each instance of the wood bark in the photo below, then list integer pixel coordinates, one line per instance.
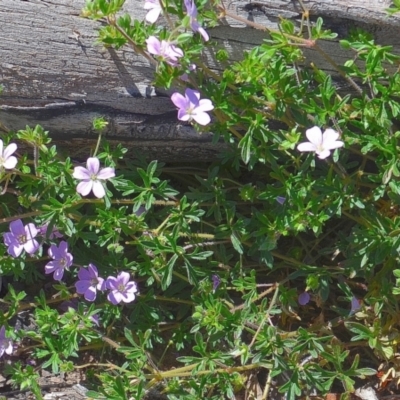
(54, 74)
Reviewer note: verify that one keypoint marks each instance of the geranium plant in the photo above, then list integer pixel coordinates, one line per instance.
(279, 259)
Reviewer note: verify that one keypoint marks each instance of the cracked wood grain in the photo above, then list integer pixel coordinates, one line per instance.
(54, 74)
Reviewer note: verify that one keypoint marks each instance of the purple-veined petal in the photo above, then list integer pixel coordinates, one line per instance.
(50, 267)
(98, 189)
(114, 297)
(81, 173)
(183, 115)
(84, 187)
(111, 283)
(180, 101)
(93, 165)
(124, 277)
(128, 297)
(306, 146)
(193, 96)
(153, 45)
(314, 135)
(17, 228)
(15, 250)
(93, 271)
(106, 173)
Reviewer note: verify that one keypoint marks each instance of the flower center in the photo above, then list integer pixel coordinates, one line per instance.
(63, 262)
(93, 177)
(121, 288)
(94, 282)
(22, 239)
(2, 161)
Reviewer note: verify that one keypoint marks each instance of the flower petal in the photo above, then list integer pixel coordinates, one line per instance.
(202, 118)
(93, 165)
(306, 146)
(10, 162)
(90, 294)
(82, 286)
(84, 187)
(9, 150)
(205, 105)
(323, 154)
(153, 15)
(106, 173)
(17, 228)
(114, 297)
(180, 101)
(81, 173)
(314, 135)
(98, 189)
(31, 246)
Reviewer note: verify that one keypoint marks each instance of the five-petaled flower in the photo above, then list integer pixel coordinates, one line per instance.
(7, 160)
(166, 51)
(89, 282)
(155, 10)
(6, 345)
(191, 10)
(91, 177)
(61, 260)
(120, 288)
(321, 143)
(21, 237)
(191, 107)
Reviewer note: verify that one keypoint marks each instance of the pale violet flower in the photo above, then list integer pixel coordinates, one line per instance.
(191, 10)
(191, 107)
(321, 143)
(166, 51)
(7, 160)
(89, 282)
(121, 289)
(91, 177)
(155, 10)
(6, 345)
(61, 260)
(21, 238)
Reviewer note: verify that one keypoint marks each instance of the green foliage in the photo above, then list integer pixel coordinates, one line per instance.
(221, 252)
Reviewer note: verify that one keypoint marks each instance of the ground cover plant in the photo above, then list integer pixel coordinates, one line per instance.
(276, 265)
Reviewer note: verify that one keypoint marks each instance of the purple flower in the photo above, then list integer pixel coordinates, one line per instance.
(191, 10)
(281, 200)
(321, 143)
(155, 10)
(55, 233)
(21, 237)
(91, 177)
(355, 305)
(6, 345)
(216, 282)
(89, 282)
(165, 50)
(7, 161)
(121, 289)
(304, 298)
(191, 107)
(62, 260)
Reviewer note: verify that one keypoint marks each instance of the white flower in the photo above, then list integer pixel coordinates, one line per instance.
(155, 10)
(321, 143)
(7, 161)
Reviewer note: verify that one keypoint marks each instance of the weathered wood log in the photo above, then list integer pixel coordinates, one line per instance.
(54, 74)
